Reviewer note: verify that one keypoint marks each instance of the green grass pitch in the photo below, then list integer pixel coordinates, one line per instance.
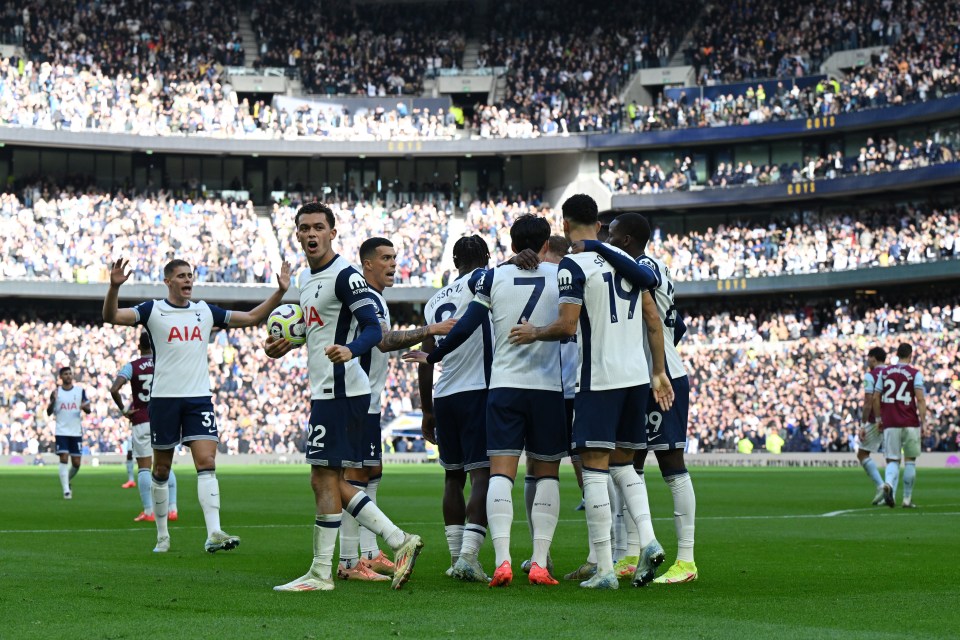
(771, 563)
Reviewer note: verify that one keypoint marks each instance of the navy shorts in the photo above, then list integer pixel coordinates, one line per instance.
(462, 430)
(668, 430)
(526, 419)
(610, 419)
(336, 431)
(69, 444)
(179, 420)
(372, 441)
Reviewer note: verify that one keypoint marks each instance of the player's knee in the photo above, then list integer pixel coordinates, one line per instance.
(455, 478)
(671, 462)
(161, 472)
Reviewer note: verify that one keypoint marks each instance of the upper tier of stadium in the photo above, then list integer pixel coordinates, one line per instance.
(176, 69)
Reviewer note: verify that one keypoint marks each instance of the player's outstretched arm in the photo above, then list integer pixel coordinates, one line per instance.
(565, 326)
(393, 340)
(659, 380)
(260, 312)
(639, 275)
(111, 311)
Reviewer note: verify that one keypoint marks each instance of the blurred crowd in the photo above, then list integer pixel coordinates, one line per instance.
(491, 219)
(417, 229)
(57, 233)
(874, 156)
(149, 68)
(794, 372)
(810, 242)
(365, 49)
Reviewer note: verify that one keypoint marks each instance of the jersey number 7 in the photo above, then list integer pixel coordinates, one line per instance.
(538, 284)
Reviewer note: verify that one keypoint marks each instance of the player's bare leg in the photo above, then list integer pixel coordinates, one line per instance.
(406, 546)
(674, 472)
(454, 508)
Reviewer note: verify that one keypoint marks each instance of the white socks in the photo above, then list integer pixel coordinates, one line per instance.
(370, 516)
(633, 489)
(324, 540)
(65, 476)
(454, 533)
(909, 477)
(144, 485)
(208, 490)
(684, 513)
(350, 534)
(871, 468)
(544, 516)
(369, 548)
(529, 493)
(893, 474)
(618, 533)
(161, 502)
(597, 502)
(172, 485)
(473, 535)
(500, 515)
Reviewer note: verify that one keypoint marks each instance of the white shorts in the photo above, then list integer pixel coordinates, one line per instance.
(897, 439)
(872, 438)
(141, 440)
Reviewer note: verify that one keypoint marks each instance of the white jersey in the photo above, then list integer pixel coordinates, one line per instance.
(334, 299)
(468, 367)
(376, 362)
(663, 296)
(66, 409)
(569, 364)
(512, 295)
(611, 323)
(180, 336)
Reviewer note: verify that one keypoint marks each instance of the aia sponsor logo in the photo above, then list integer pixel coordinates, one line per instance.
(184, 334)
(313, 317)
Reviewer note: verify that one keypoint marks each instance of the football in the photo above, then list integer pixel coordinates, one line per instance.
(287, 321)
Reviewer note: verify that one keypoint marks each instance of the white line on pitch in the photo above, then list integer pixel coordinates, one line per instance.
(854, 512)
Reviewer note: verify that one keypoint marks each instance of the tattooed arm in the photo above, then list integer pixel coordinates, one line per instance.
(393, 340)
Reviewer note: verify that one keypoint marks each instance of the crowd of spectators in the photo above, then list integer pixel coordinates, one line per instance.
(885, 155)
(417, 229)
(810, 242)
(58, 233)
(806, 394)
(568, 61)
(365, 49)
(261, 404)
(802, 384)
(492, 218)
(746, 39)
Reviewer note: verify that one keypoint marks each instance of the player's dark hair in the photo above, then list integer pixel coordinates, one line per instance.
(62, 369)
(316, 207)
(368, 250)
(470, 252)
(878, 354)
(904, 350)
(144, 341)
(559, 246)
(171, 266)
(581, 210)
(636, 226)
(529, 232)
(604, 234)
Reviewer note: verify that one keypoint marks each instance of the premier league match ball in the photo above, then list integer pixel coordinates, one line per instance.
(287, 321)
